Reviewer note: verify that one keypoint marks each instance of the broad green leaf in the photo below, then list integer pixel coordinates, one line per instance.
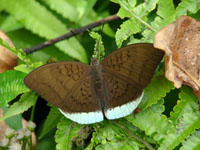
(86, 14)
(51, 121)
(128, 28)
(41, 22)
(10, 24)
(187, 126)
(65, 8)
(88, 9)
(192, 142)
(11, 85)
(19, 38)
(187, 5)
(158, 88)
(187, 103)
(153, 122)
(25, 102)
(165, 8)
(108, 31)
(14, 122)
(67, 130)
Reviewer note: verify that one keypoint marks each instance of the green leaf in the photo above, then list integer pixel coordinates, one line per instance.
(110, 135)
(25, 102)
(119, 145)
(24, 68)
(11, 85)
(123, 12)
(187, 103)
(10, 24)
(51, 121)
(14, 122)
(65, 8)
(88, 9)
(165, 14)
(187, 126)
(144, 8)
(187, 5)
(192, 142)
(41, 21)
(128, 28)
(67, 130)
(19, 38)
(18, 52)
(165, 8)
(157, 88)
(152, 122)
(160, 23)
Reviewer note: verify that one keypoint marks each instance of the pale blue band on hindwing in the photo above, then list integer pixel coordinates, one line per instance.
(123, 110)
(112, 113)
(84, 118)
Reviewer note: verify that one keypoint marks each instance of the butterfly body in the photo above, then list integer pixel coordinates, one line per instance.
(113, 87)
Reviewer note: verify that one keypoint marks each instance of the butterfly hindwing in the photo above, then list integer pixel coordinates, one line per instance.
(69, 86)
(126, 72)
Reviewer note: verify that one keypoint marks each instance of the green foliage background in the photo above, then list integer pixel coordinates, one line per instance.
(170, 118)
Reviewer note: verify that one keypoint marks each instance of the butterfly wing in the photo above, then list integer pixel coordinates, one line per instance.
(69, 86)
(126, 72)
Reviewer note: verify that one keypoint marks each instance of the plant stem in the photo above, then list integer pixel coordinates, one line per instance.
(71, 33)
(30, 145)
(24, 144)
(33, 111)
(134, 136)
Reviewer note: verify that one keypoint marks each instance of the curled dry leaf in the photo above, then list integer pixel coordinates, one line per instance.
(7, 59)
(180, 41)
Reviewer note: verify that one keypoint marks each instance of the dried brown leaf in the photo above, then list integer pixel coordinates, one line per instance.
(180, 41)
(7, 59)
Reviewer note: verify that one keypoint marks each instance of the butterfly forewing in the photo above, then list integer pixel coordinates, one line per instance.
(69, 86)
(126, 72)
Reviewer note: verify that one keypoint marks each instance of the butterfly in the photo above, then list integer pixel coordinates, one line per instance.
(86, 93)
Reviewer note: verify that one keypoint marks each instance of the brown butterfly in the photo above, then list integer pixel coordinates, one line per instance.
(113, 86)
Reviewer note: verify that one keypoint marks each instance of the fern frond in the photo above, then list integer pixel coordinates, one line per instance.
(66, 131)
(40, 21)
(128, 28)
(153, 122)
(158, 88)
(11, 85)
(187, 6)
(187, 126)
(192, 142)
(188, 102)
(25, 102)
